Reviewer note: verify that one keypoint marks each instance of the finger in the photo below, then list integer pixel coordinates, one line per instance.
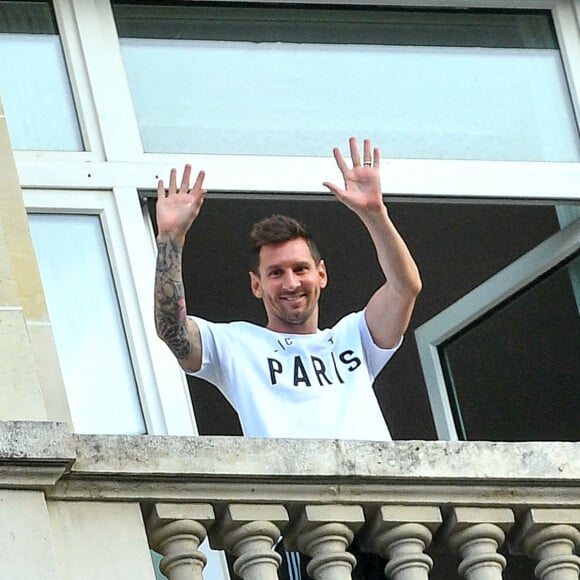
(161, 189)
(197, 186)
(342, 165)
(184, 188)
(354, 154)
(337, 191)
(331, 186)
(367, 157)
(376, 158)
(172, 181)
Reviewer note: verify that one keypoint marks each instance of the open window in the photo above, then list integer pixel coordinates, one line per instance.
(501, 363)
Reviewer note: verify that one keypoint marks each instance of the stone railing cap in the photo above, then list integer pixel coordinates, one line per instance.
(34, 454)
(239, 456)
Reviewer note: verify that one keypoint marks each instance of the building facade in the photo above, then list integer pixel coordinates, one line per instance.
(476, 108)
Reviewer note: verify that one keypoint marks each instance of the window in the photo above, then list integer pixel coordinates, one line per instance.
(501, 362)
(34, 84)
(98, 285)
(87, 323)
(484, 136)
(458, 248)
(480, 142)
(296, 81)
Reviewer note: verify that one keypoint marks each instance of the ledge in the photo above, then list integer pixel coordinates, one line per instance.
(219, 470)
(236, 469)
(34, 454)
(296, 458)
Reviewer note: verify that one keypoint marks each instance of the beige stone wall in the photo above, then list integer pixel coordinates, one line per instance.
(96, 540)
(26, 537)
(31, 386)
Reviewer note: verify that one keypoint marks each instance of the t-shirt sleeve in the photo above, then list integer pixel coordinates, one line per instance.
(377, 357)
(210, 369)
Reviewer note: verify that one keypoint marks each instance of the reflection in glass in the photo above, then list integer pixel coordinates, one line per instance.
(87, 324)
(514, 375)
(34, 84)
(239, 94)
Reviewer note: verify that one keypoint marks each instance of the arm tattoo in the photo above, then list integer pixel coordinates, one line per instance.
(170, 309)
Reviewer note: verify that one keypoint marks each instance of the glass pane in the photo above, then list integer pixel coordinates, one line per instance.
(514, 375)
(87, 324)
(269, 86)
(34, 84)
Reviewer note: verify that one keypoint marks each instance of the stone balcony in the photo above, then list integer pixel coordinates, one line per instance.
(406, 500)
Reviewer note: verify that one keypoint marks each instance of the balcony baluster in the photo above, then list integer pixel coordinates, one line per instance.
(249, 532)
(400, 534)
(477, 533)
(324, 532)
(176, 531)
(551, 537)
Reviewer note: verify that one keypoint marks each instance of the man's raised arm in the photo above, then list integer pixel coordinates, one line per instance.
(176, 211)
(389, 310)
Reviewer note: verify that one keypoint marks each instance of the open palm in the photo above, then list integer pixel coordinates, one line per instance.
(362, 183)
(177, 208)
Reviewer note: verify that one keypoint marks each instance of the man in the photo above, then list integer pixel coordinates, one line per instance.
(291, 379)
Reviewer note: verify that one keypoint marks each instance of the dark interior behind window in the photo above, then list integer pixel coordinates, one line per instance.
(457, 247)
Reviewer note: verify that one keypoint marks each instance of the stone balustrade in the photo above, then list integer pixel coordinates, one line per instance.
(407, 501)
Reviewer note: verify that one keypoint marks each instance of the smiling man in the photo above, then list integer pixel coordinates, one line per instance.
(287, 274)
(289, 378)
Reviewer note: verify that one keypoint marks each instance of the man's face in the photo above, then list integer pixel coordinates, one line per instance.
(289, 283)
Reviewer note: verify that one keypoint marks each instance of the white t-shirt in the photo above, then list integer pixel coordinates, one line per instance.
(298, 385)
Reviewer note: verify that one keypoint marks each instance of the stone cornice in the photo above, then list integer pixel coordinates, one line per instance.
(34, 454)
(215, 469)
(473, 461)
(234, 469)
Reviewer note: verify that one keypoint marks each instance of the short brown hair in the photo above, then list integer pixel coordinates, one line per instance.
(278, 229)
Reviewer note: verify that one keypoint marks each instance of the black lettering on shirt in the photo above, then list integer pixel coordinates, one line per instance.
(300, 374)
(336, 368)
(320, 370)
(275, 367)
(347, 357)
(303, 369)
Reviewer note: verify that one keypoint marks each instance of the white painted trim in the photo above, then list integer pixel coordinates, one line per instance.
(109, 125)
(400, 177)
(79, 79)
(475, 304)
(567, 29)
(162, 386)
(110, 90)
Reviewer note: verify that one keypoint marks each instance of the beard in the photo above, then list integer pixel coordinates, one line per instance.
(293, 316)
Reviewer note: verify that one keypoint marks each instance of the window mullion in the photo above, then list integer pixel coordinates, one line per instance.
(78, 76)
(163, 389)
(98, 38)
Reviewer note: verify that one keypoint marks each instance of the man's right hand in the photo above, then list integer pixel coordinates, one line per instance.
(177, 208)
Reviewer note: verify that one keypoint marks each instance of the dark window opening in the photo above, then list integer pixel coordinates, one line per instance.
(457, 246)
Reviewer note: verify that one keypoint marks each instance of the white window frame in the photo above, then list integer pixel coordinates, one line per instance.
(107, 178)
(122, 227)
(468, 309)
(116, 154)
(114, 162)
